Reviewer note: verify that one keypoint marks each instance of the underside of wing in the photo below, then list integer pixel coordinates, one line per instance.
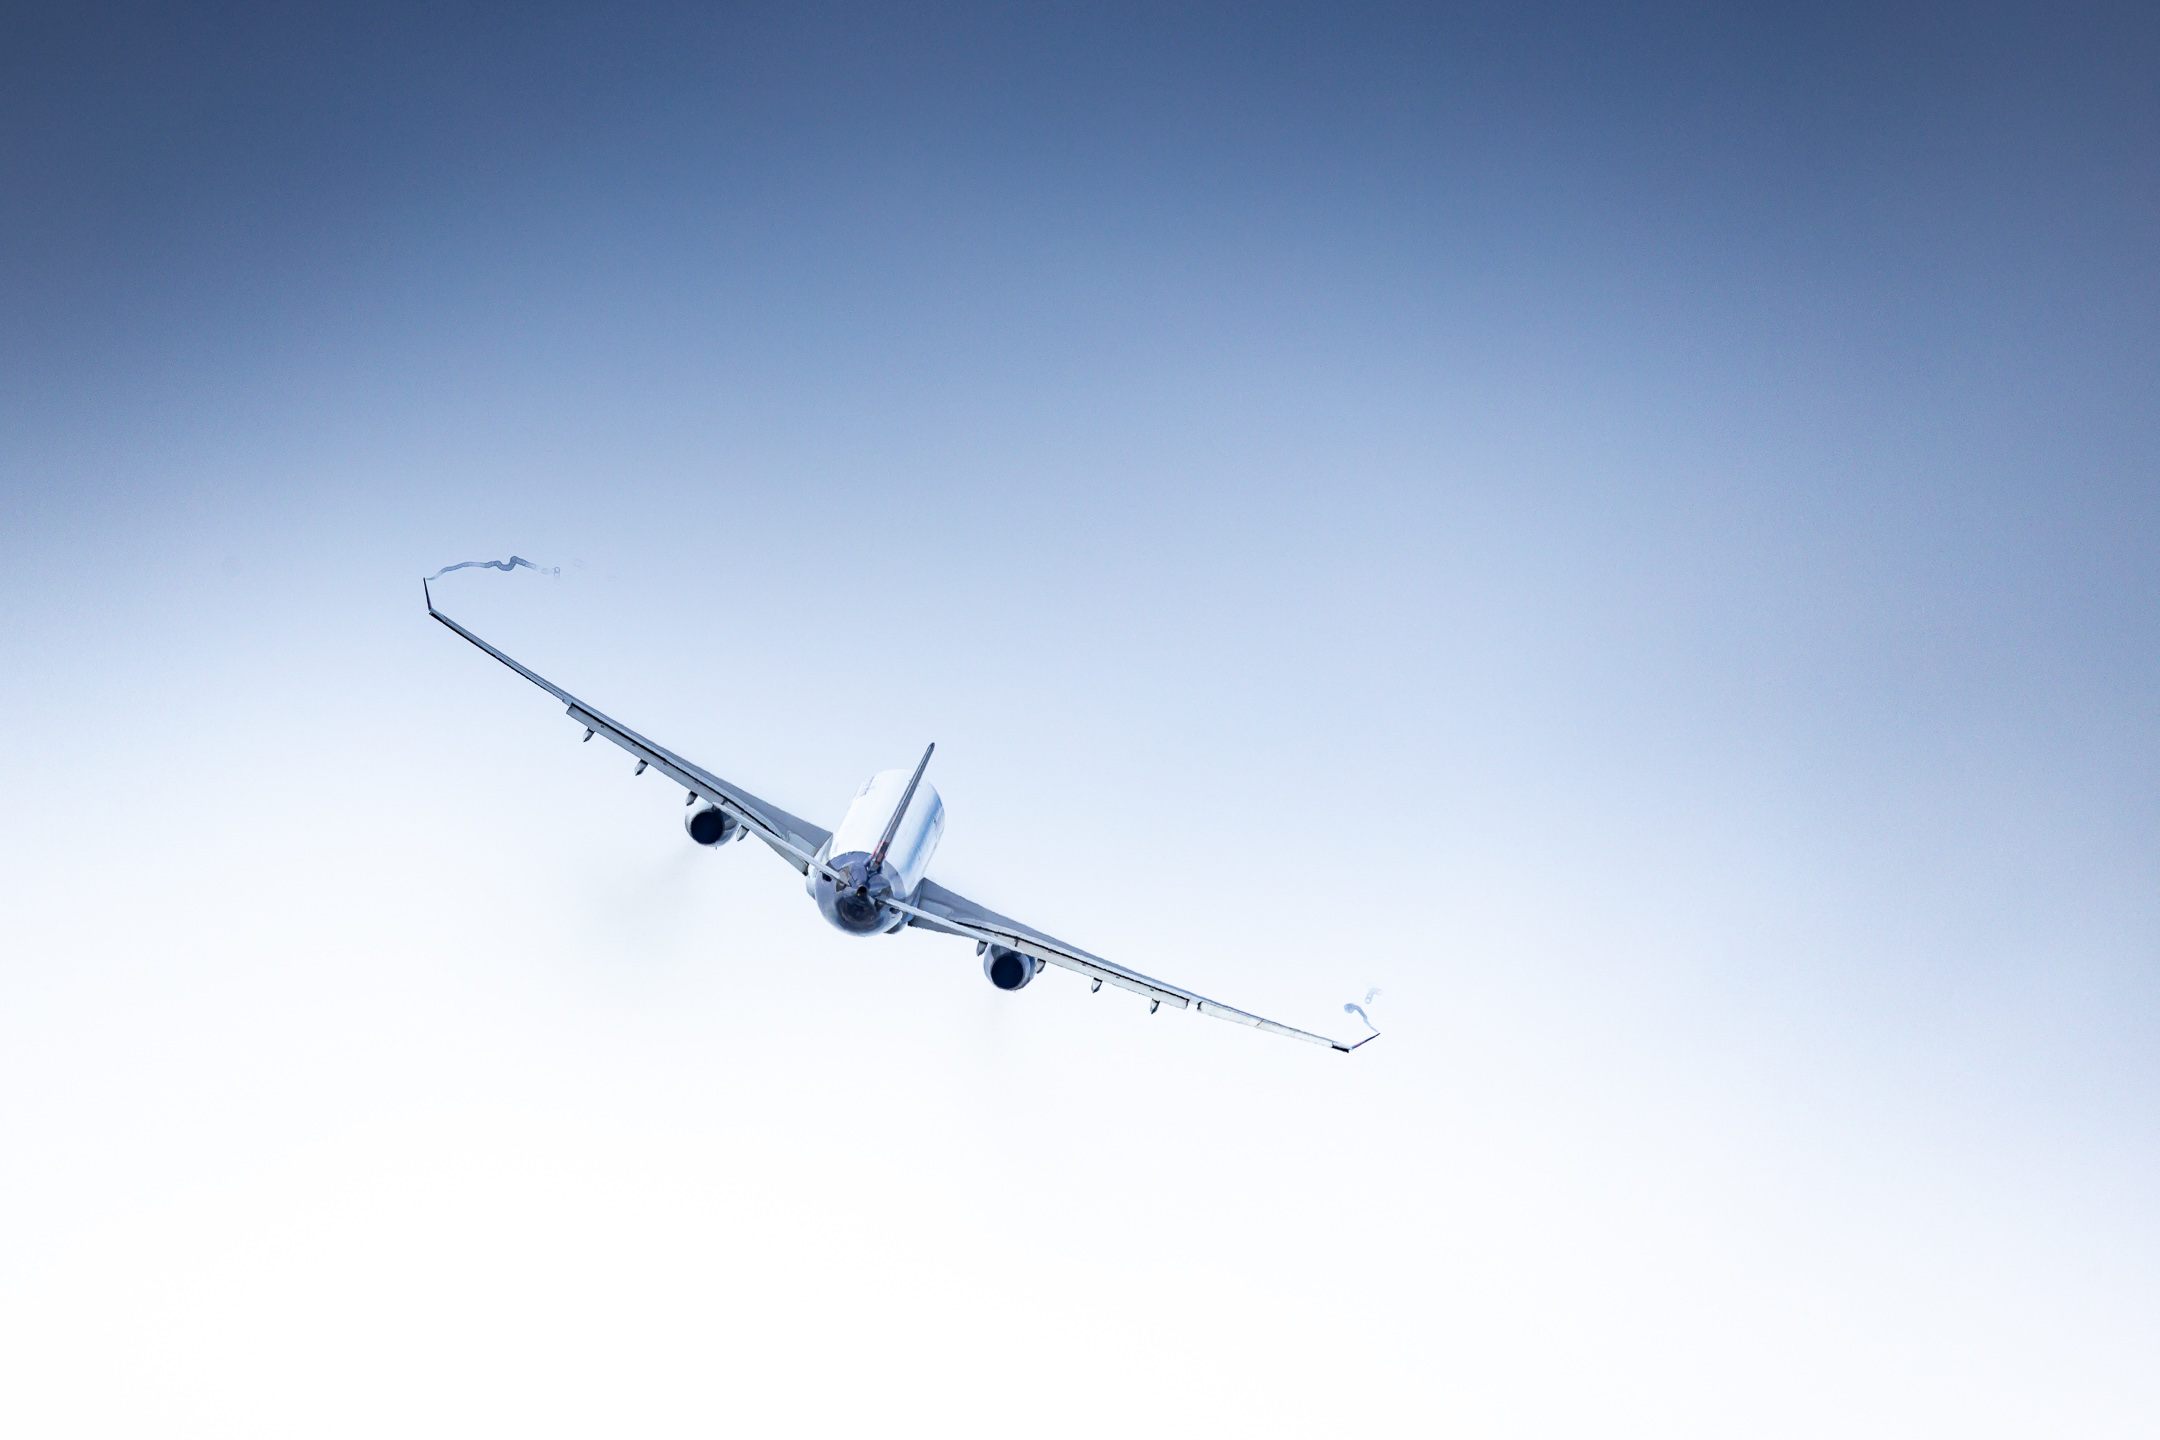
(794, 840)
(937, 908)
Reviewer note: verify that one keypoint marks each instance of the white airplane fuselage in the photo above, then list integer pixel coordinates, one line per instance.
(858, 907)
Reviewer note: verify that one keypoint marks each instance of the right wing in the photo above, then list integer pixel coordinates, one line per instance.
(937, 908)
(796, 841)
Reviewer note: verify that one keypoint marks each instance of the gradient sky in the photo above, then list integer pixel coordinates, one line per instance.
(1636, 532)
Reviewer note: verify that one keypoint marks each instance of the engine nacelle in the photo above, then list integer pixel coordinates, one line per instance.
(1009, 969)
(710, 825)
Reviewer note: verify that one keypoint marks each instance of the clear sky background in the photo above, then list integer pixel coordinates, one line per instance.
(1635, 531)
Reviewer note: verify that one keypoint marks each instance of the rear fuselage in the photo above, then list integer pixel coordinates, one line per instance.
(858, 906)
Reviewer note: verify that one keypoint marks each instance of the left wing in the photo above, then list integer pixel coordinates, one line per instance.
(795, 841)
(937, 908)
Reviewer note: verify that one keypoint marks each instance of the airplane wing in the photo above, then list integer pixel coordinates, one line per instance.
(796, 841)
(937, 908)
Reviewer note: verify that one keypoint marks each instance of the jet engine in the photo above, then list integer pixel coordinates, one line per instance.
(1008, 969)
(710, 825)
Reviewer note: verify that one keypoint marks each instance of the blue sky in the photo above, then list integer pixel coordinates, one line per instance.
(1631, 531)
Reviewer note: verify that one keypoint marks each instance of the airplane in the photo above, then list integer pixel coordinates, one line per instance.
(869, 877)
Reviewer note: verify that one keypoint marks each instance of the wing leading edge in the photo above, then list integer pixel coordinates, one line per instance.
(938, 908)
(794, 840)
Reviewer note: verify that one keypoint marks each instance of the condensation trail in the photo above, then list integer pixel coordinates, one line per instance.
(504, 565)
